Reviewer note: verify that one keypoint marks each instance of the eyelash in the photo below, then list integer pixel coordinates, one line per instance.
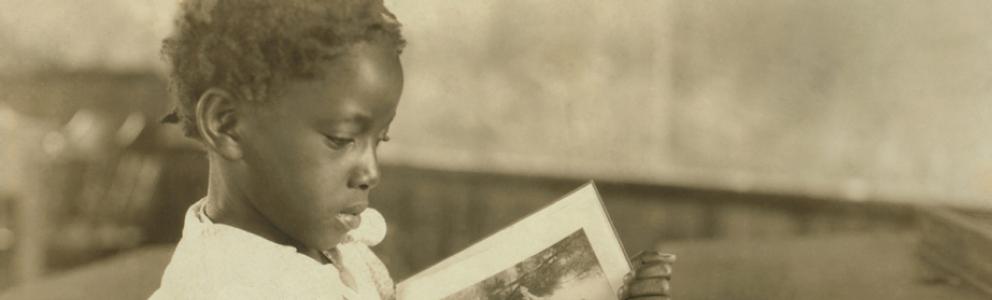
(340, 142)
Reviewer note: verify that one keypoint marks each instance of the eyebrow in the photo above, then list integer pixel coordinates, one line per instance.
(362, 121)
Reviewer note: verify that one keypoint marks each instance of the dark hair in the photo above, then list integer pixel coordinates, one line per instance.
(250, 47)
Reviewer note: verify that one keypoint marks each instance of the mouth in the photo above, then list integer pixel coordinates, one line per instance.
(351, 216)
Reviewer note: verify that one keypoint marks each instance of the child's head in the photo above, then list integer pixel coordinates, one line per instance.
(249, 47)
(292, 97)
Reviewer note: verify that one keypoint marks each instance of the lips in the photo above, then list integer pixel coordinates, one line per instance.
(350, 216)
(349, 220)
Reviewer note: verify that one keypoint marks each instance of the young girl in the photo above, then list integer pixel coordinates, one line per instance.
(291, 99)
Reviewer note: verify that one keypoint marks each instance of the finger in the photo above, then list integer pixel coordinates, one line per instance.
(652, 256)
(641, 255)
(655, 270)
(622, 291)
(655, 256)
(649, 287)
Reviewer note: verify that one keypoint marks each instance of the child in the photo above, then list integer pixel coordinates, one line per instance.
(291, 99)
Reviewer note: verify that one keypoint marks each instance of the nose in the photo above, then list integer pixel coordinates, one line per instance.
(366, 171)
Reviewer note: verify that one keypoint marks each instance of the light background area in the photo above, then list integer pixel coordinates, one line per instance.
(878, 99)
(862, 100)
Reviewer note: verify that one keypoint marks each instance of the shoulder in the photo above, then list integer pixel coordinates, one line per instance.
(217, 262)
(223, 272)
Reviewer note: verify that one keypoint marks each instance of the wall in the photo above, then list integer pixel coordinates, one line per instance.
(861, 100)
(870, 98)
(119, 35)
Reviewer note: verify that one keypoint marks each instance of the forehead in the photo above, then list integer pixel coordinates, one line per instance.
(364, 82)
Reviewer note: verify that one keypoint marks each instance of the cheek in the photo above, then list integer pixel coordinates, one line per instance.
(320, 166)
(315, 172)
(277, 164)
(295, 165)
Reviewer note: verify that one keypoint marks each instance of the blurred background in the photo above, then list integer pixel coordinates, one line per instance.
(782, 148)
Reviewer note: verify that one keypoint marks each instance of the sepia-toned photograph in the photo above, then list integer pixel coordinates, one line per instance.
(468, 149)
(568, 270)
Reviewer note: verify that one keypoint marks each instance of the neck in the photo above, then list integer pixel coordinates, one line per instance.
(230, 204)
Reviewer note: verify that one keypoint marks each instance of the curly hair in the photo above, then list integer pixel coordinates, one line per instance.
(250, 47)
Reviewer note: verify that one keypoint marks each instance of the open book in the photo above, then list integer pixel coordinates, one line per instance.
(567, 250)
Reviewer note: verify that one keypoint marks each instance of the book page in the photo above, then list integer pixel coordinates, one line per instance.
(566, 248)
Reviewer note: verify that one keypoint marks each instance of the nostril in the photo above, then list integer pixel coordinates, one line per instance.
(363, 186)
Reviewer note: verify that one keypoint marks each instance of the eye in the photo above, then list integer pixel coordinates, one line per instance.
(339, 142)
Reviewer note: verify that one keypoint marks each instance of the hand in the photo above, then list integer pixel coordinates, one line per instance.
(649, 279)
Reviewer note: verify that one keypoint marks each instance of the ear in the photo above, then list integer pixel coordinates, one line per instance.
(218, 117)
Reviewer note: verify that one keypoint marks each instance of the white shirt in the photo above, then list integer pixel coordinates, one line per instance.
(216, 261)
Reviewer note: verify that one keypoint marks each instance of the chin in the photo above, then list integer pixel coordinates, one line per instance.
(327, 241)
